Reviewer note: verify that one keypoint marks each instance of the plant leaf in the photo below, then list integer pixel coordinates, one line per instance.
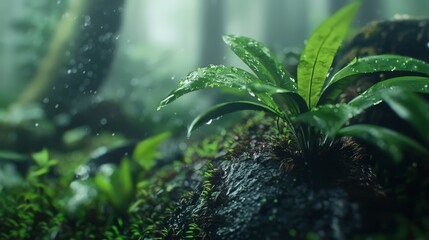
(124, 182)
(368, 65)
(216, 77)
(290, 103)
(374, 94)
(146, 151)
(412, 109)
(225, 108)
(328, 118)
(389, 141)
(280, 99)
(319, 52)
(41, 158)
(105, 186)
(261, 61)
(12, 156)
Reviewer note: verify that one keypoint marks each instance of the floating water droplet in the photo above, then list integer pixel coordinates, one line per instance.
(36, 124)
(113, 134)
(103, 121)
(87, 21)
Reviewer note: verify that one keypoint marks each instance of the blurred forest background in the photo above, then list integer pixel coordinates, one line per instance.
(145, 49)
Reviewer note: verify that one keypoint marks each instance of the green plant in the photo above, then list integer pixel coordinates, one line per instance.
(43, 164)
(51, 204)
(119, 185)
(307, 106)
(409, 107)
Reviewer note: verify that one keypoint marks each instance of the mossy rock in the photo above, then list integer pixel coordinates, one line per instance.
(263, 189)
(250, 194)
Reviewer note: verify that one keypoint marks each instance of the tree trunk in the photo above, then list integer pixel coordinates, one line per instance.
(79, 56)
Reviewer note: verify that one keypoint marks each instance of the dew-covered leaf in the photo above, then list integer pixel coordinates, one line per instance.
(319, 52)
(368, 65)
(289, 102)
(330, 118)
(225, 108)
(214, 76)
(261, 61)
(374, 94)
(390, 142)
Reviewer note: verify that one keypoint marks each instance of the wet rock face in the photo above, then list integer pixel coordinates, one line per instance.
(254, 199)
(263, 202)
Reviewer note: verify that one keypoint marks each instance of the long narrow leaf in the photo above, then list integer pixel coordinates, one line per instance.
(319, 52)
(262, 61)
(368, 65)
(412, 109)
(330, 118)
(225, 108)
(389, 141)
(287, 101)
(280, 99)
(374, 94)
(217, 77)
(211, 77)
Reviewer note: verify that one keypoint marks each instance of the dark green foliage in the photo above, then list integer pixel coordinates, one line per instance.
(308, 106)
(124, 206)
